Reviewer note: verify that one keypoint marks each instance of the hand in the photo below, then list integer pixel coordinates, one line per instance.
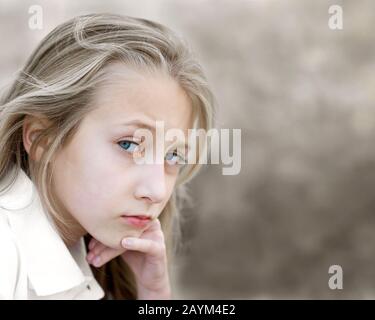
(146, 256)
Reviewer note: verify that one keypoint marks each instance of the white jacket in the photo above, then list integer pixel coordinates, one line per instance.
(35, 263)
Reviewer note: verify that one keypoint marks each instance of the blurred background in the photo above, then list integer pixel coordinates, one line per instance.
(303, 96)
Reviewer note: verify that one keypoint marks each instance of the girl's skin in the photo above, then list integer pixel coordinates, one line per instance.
(97, 180)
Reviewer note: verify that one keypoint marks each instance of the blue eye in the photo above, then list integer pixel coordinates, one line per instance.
(129, 146)
(174, 158)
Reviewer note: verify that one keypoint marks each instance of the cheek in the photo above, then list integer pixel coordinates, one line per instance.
(85, 180)
(170, 184)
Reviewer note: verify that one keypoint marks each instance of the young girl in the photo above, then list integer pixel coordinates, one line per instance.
(79, 219)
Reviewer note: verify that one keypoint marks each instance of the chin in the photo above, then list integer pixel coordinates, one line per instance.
(113, 240)
(113, 243)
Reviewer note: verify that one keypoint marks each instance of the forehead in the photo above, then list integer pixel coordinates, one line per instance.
(128, 95)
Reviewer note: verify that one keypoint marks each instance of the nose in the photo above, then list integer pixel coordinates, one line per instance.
(151, 185)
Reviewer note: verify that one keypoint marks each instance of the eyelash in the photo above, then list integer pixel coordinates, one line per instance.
(181, 158)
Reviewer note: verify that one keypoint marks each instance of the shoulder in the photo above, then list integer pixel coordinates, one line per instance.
(9, 268)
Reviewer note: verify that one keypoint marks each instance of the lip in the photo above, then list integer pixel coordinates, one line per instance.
(138, 221)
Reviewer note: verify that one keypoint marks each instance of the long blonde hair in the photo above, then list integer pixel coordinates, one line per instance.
(57, 84)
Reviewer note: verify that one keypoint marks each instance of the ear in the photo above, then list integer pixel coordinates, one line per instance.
(32, 127)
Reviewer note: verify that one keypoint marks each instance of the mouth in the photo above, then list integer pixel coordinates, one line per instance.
(138, 221)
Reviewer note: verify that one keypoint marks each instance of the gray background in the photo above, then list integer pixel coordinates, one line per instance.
(303, 96)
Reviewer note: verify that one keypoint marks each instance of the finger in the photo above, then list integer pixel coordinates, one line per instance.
(155, 225)
(105, 256)
(93, 243)
(154, 229)
(96, 251)
(100, 247)
(144, 245)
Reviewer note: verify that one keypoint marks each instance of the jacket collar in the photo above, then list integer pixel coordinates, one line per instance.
(50, 265)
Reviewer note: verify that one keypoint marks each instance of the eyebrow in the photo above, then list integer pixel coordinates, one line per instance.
(140, 124)
(148, 124)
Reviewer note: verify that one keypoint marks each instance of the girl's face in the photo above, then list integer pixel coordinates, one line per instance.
(95, 176)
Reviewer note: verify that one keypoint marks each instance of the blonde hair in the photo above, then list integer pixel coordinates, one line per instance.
(57, 83)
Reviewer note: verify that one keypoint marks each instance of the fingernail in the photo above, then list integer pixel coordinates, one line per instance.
(127, 242)
(96, 261)
(91, 245)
